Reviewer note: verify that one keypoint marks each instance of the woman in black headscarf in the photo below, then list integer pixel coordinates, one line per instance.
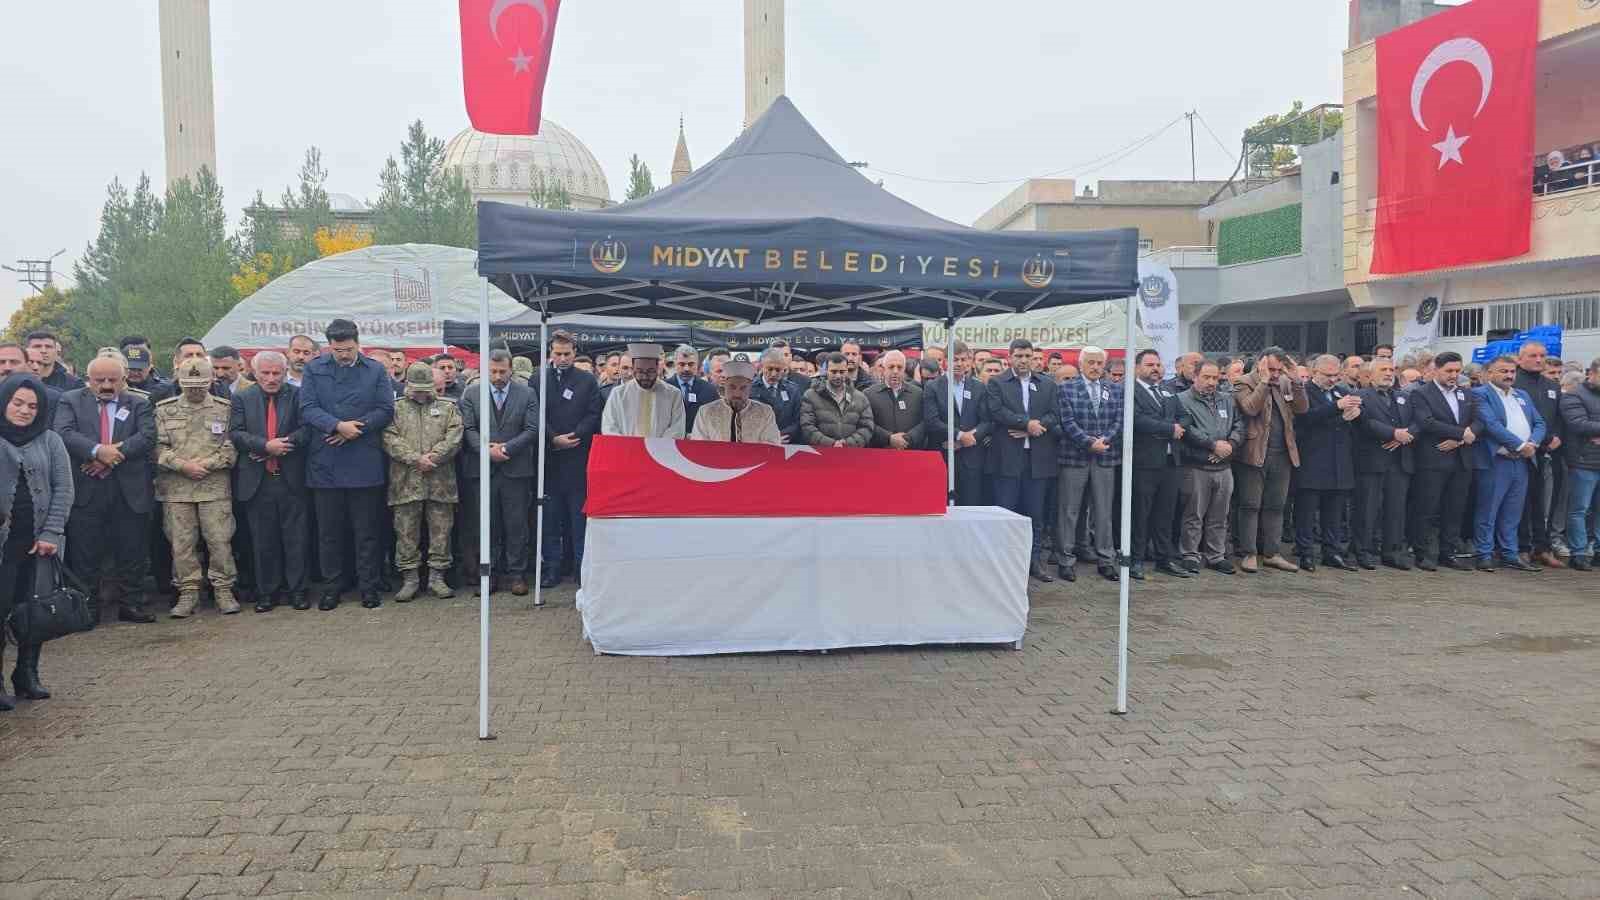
(35, 499)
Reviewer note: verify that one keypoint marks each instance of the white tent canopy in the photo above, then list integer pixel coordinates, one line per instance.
(398, 295)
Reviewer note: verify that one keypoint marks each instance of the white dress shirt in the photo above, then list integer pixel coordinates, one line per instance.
(1516, 418)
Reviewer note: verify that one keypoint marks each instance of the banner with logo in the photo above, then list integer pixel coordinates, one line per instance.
(1421, 330)
(633, 477)
(1058, 328)
(398, 295)
(1158, 311)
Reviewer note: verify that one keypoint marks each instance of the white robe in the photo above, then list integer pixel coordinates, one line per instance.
(621, 415)
(757, 423)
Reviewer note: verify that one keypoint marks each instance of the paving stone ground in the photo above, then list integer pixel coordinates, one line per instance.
(1372, 735)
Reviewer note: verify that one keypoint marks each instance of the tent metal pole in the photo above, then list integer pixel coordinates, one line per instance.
(483, 514)
(1129, 552)
(951, 386)
(538, 500)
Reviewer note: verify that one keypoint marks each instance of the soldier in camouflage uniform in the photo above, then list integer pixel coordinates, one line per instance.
(194, 459)
(422, 439)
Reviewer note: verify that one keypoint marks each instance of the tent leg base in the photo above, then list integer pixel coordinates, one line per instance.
(489, 737)
(1118, 712)
(1016, 644)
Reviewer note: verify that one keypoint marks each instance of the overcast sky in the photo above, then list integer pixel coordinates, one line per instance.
(1003, 90)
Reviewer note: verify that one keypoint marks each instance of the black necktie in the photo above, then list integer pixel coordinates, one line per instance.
(733, 428)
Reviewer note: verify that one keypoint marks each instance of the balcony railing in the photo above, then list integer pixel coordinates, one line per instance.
(1567, 170)
(1185, 257)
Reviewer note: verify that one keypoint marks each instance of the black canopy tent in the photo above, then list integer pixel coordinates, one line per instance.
(780, 228)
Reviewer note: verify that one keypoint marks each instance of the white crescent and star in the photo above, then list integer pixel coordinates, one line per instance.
(666, 454)
(1464, 50)
(522, 61)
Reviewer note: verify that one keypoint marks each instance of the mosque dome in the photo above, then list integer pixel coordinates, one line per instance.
(502, 166)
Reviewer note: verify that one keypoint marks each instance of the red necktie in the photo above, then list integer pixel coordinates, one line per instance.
(105, 422)
(272, 432)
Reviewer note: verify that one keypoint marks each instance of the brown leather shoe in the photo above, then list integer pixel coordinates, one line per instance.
(1279, 563)
(519, 586)
(1248, 564)
(1549, 560)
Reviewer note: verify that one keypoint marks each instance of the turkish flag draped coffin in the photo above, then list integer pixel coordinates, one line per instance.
(1455, 137)
(659, 477)
(505, 56)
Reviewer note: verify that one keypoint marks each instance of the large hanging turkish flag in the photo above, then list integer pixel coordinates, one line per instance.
(1455, 137)
(633, 477)
(505, 56)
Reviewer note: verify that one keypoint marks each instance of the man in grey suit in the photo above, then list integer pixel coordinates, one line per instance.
(110, 433)
(513, 436)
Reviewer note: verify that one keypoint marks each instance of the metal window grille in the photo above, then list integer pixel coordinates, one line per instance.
(1366, 336)
(1578, 313)
(1316, 337)
(1461, 321)
(1251, 338)
(1288, 337)
(1216, 338)
(1518, 315)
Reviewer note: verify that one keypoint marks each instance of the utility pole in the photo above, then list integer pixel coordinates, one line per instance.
(1193, 175)
(36, 273)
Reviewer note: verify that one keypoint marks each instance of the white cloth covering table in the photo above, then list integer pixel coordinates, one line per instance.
(679, 587)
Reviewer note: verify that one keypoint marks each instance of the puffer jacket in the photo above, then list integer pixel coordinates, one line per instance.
(1580, 413)
(1205, 421)
(822, 421)
(420, 428)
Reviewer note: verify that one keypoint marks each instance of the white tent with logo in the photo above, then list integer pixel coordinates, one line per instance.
(398, 295)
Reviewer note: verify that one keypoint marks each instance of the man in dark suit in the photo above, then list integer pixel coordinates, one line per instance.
(1546, 471)
(1023, 407)
(774, 388)
(269, 481)
(1384, 465)
(573, 405)
(697, 391)
(1327, 466)
(1155, 468)
(1445, 421)
(972, 425)
(110, 433)
(513, 441)
(896, 407)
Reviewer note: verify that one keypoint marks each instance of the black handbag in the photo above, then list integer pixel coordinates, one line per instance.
(55, 609)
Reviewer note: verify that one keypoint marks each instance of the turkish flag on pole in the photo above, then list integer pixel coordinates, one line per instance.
(1455, 137)
(633, 477)
(505, 56)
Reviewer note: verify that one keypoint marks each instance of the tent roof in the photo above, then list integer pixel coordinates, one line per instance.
(780, 227)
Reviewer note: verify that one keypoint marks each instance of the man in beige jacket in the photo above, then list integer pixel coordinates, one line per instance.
(1267, 398)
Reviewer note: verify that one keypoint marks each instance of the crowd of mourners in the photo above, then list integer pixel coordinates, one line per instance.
(292, 478)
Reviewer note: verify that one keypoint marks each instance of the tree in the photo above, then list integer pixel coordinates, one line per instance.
(639, 183)
(48, 310)
(548, 193)
(1275, 137)
(341, 239)
(420, 201)
(277, 241)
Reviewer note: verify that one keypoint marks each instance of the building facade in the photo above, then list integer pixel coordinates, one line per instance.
(1163, 211)
(1558, 281)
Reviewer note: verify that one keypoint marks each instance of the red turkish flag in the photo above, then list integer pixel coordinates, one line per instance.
(633, 477)
(1455, 137)
(505, 56)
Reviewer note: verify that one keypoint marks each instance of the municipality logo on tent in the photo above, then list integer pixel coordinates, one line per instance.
(1154, 291)
(608, 256)
(413, 294)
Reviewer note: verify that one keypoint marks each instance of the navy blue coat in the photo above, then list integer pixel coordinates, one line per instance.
(574, 408)
(785, 403)
(1327, 443)
(701, 390)
(330, 394)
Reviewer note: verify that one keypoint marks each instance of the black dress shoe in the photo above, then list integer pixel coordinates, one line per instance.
(301, 601)
(1368, 563)
(265, 603)
(1221, 567)
(550, 577)
(135, 615)
(1037, 572)
(1109, 573)
(1338, 562)
(1520, 566)
(1192, 566)
(1485, 564)
(1136, 571)
(1450, 562)
(1066, 572)
(1169, 567)
(1307, 565)
(329, 600)
(1397, 562)
(1427, 565)
(371, 600)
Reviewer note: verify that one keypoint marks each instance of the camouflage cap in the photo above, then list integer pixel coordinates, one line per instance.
(194, 372)
(419, 377)
(521, 365)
